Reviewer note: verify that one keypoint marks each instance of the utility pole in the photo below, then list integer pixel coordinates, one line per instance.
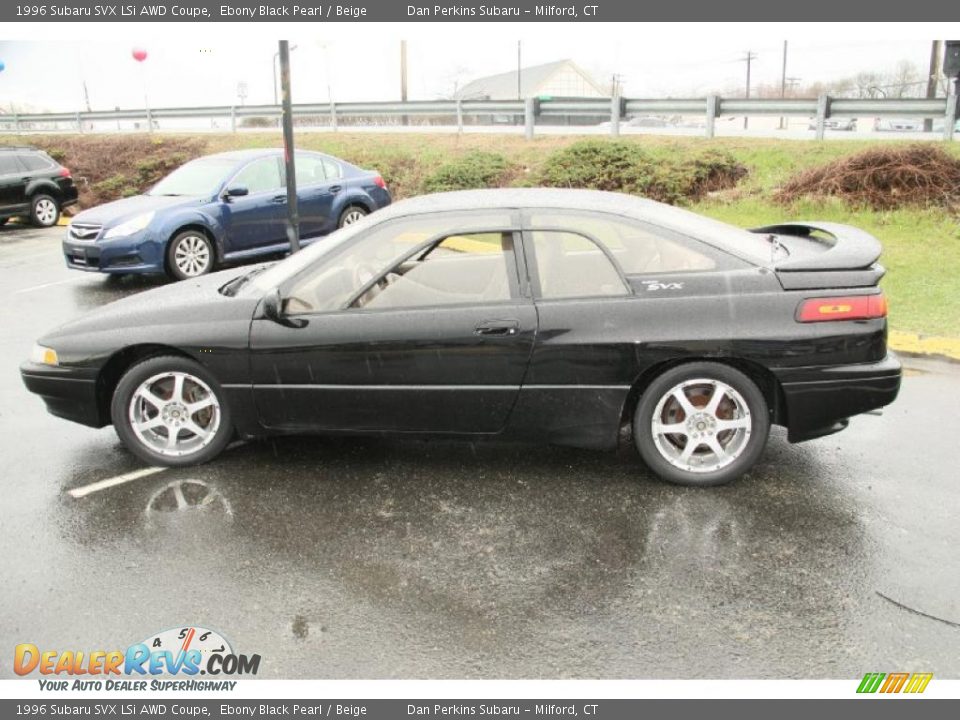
(403, 77)
(519, 71)
(275, 56)
(783, 83)
(933, 78)
(751, 56)
(293, 216)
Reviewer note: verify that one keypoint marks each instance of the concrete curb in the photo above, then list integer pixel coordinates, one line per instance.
(63, 221)
(924, 345)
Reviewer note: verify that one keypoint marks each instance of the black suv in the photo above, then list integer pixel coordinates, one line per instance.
(34, 185)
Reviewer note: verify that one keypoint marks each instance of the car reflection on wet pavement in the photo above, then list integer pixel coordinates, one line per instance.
(339, 558)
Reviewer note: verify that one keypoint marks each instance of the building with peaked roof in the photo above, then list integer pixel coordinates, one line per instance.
(563, 78)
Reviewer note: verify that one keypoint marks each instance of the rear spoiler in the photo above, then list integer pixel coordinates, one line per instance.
(824, 254)
(846, 248)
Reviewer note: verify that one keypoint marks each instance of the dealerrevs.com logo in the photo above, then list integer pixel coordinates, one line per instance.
(185, 652)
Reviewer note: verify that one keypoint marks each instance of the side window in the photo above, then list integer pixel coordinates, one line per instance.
(260, 176)
(640, 249)
(333, 280)
(310, 170)
(571, 266)
(462, 269)
(9, 164)
(332, 169)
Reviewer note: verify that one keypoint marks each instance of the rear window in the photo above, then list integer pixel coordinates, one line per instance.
(35, 161)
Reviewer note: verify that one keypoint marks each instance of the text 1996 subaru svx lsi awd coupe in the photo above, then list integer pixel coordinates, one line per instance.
(550, 315)
(228, 207)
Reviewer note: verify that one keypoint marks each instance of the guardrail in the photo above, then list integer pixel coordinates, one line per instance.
(616, 109)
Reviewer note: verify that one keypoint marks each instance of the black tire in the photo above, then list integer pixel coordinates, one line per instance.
(123, 398)
(44, 210)
(351, 214)
(187, 241)
(750, 441)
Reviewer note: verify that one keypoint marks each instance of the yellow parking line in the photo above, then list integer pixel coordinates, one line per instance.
(914, 344)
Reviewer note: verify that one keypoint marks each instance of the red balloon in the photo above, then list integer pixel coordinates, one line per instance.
(139, 54)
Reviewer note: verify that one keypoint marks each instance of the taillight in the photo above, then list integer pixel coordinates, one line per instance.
(64, 172)
(378, 181)
(848, 307)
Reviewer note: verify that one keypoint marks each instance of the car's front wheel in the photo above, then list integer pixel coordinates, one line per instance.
(44, 211)
(169, 410)
(190, 254)
(701, 424)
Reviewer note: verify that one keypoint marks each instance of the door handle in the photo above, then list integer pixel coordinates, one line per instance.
(279, 199)
(334, 189)
(497, 327)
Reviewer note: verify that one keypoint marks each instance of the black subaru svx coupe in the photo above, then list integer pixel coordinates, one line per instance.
(559, 316)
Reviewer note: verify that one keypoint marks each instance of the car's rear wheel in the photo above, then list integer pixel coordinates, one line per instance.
(44, 211)
(190, 254)
(352, 214)
(701, 424)
(170, 411)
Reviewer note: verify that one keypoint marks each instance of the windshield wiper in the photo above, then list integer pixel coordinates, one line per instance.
(232, 287)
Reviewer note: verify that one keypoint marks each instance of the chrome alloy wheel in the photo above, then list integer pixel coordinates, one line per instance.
(701, 425)
(192, 255)
(45, 211)
(174, 414)
(352, 216)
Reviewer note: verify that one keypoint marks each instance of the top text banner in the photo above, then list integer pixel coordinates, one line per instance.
(467, 11)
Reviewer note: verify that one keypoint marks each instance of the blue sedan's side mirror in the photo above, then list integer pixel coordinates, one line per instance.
(235, 191)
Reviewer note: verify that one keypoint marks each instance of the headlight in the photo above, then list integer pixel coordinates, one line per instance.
(44, 355)
(130, 226)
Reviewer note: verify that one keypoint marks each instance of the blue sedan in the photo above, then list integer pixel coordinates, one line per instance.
(221, 208)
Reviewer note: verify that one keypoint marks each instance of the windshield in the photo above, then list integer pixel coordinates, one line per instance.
(276, 274)
(197, 177)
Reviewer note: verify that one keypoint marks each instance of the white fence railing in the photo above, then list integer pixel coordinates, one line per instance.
(616, 110)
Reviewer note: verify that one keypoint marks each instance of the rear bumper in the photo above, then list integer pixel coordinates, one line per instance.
(67, 394)
(820, 400)
(68, 195)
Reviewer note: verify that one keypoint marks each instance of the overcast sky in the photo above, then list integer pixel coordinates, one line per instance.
(50, 75)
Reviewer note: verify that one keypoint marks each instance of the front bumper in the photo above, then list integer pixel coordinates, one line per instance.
(68, 393)
(136, 253)
(820, 400)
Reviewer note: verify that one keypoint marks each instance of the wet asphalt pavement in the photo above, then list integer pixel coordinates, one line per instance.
(371, 558)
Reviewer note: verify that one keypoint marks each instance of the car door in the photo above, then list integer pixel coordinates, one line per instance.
(12, 184)
(315, 194)
(412, 328)
(258, 219)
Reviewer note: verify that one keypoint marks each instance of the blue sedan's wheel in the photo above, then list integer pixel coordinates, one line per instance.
(701, 424)
(351, 215)
(190, 254)
(171, 411)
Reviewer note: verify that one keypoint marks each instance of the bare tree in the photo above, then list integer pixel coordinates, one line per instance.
(904, 81)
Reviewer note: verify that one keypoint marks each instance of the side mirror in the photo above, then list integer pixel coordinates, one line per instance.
(273, 310)
(235, 191)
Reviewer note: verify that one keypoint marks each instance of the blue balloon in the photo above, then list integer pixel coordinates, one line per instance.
(2, 66)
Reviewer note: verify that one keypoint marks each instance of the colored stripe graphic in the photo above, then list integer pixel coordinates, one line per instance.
(895, 682)
(870, 682)
(918, 682)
